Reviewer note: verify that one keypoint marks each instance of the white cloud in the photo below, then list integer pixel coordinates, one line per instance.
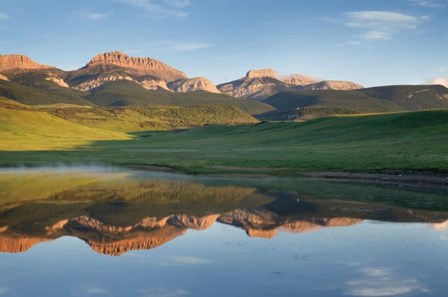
(3, 291)
(382, 282)
(178, 3)
(440, 227)
(161, 8)
(165, 46)
(89, 291)
(163, 293)
(438, 81)
(97, 16)
(189, 46)
(3, 16)
(427, 3)
(187, 260)
(380, 25)
(92, 16)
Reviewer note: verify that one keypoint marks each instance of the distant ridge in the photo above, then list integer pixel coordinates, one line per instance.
(19, 62)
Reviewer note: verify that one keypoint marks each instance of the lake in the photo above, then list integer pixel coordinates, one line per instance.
(98, 231)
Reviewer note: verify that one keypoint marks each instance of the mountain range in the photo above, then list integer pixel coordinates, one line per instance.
(116, 79)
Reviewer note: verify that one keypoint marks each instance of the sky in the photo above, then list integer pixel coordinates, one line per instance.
(372, 42)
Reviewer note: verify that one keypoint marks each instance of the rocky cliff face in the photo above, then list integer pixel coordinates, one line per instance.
(104, 68)
(143, 66)
(257, 84)
(194, 84)
(334, 85)
(261, 73)
(19, 62)
(2, 77)
(299, 80)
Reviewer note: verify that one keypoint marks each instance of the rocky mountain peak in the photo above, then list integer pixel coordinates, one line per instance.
(299, 80)
(261, 73)
(194, 84)
(19, 62)
(140, 65)
(334, 85)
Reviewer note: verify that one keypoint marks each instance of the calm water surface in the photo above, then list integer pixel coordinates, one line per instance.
(105, 232)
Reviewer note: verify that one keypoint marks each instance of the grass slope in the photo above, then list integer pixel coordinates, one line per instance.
(403, 141)
(139, 118)
(22, 128)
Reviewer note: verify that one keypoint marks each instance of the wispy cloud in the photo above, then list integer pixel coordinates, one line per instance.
(380, 25)
(91, 291)
(383, 282)
(3, 16)
(187, 260)
(438, 81)
(163, 293)
(164, 8)
(91, 16)
(178, 3)
(3, 291)
(189, 46)
(166, 46)
(428, 3)
(97, 16)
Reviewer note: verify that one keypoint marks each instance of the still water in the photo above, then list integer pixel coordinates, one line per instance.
(107, 232)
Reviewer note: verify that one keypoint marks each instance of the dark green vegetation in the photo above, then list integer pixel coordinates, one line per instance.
(47, 93)
(413, 141)
(372, 100)
(139, 118)
(33, 88)
(125, 93)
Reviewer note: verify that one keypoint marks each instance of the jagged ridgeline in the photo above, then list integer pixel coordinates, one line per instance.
(114, 79)
(110, 80)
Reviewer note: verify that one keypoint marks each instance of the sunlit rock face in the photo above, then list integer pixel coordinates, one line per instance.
(261, 73)
(2, 77)
(194, 84)
(116, 66)
(299, 80)
(334, 85)
(143, 66)
(257, 84)
(17, 243)
(194, 222)
(97, 82)
(19, 62)
(138, 240)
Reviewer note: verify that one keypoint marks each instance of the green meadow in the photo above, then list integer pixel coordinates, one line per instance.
(396, 142)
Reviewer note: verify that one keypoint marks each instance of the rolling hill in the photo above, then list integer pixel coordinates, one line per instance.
(24, 128)
(127, 93)
(371, 100)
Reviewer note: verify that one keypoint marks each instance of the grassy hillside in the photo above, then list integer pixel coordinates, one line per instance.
(50, 94)
(372, 100)
(22, 128)
(139, 118)
(403, 141)
(125, 93)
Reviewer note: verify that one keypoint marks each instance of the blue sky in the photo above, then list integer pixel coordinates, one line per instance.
(377, 42)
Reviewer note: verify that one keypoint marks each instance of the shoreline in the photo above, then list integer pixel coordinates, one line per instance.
(417, 178)
(423, 178)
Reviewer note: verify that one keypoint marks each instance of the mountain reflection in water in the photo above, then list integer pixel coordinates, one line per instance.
(116, 213)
